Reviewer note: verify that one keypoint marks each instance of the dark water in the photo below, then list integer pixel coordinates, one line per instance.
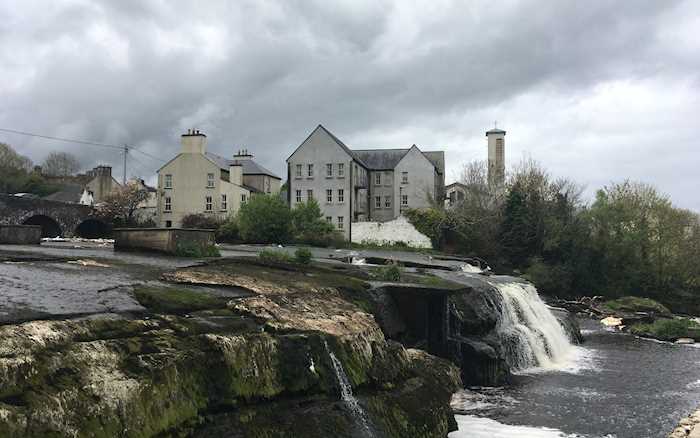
(619, 386)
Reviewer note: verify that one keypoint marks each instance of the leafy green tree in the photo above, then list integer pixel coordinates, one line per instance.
(265, 219)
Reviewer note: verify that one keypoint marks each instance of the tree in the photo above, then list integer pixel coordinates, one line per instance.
(10, 159)
(265, 219)
(60, 164)
(119, 206)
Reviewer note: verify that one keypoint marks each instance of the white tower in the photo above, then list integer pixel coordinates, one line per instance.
(497, 156)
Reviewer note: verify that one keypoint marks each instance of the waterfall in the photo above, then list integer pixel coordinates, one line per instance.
(531, 335)
(346, 394)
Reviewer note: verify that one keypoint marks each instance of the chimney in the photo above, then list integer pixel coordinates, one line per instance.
(235, 173)
(242, 155)
(194, 142)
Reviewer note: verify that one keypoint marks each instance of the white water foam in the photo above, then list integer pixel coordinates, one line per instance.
(534, 339)
(479, 427)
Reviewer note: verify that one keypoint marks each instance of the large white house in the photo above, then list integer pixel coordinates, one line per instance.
(197, 181)
(363, 185)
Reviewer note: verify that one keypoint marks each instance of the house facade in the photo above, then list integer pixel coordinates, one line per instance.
(197, 181)
(362, 185)
(89, 188)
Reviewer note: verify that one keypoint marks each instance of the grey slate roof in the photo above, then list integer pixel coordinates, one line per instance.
(387, 159)
(250, 167)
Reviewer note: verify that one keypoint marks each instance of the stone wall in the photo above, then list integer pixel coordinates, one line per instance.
(20, 234)
(161, 239)
(391, 232)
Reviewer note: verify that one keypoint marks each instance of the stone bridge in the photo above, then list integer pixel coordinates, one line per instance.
(57, 219)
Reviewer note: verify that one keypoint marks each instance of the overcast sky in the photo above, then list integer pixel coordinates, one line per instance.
(597, 91)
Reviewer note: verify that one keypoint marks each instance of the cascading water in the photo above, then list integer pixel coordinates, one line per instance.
(346, 394)
(531, 335)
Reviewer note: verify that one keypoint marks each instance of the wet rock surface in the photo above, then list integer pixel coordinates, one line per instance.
(230, 348)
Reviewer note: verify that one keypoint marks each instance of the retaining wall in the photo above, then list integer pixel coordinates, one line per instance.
(389, 233)
(20, 234)
(160, 239)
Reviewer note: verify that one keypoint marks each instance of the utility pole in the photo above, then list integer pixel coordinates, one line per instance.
(126, 151)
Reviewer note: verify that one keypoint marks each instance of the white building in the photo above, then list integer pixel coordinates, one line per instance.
(196, 181)
(363, 185)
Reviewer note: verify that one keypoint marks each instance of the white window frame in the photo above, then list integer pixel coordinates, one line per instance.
(298, 196)
(377, 202)
(208, 203)
(378, 178)
(309, 194)
(224, 202)
(168, 181)
(298, 172)
(341, 196)
(310, 170)
(329, 196)
(404, 177)
(341, 222)
(168, 204)
(387, 202)
(404, 200)
(210, 180)
(341, 170)
(329, 170)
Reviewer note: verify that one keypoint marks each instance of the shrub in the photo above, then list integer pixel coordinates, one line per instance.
(309, 226)
(636, 304)
(264, 219)
(428, 221)
(667, 329)
(272, 256)
(551, 280)
(194, 250)
(302, 256)
(390, 272)
(202, 221)
(228, 231)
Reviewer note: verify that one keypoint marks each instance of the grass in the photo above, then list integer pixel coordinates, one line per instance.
(636, 304)
(194, 250)
(177, 301)
(391, 272)
(668, 329)
(397, 246)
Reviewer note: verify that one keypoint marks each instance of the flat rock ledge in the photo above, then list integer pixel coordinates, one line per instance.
(687, 427)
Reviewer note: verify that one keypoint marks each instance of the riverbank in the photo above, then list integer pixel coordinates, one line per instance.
(688, 427)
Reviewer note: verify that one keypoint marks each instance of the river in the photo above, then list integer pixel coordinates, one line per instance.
(616, 385)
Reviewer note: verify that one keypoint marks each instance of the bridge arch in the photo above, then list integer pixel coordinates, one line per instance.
(92, 228)
(49, 227)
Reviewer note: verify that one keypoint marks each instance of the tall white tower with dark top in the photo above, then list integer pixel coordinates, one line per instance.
(497, 156)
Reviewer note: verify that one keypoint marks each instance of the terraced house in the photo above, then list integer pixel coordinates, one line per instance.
(363, 185)
(197, 181)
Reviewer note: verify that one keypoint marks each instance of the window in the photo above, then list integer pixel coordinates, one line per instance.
(224, 204)
(341, 195)
(404, 199)
(168, 204)
(210, 180)
(168, 224)
(244, 198)
(298, 174)
(309, 195)
(329, 219)
(377, 202)
(340, 222)
(404, 177)
(378, 179)
(329, 169)
(341, 170)
(310, 172)
(298, 195)
(499, 149)
(207, 203)
(329, 195)
(387, 201)
(168, 183)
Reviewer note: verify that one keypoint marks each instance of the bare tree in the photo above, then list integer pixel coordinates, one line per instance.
(120, 205)
(60, 164)
(10, 159)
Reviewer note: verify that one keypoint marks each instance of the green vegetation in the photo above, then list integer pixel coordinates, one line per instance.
(228, 231)
(302, 256)
(390, 272)
(264, 219)
(630, 240)
(18, 176)
(196, 250)
(272, 256)
(636, 304)
(174, 300)
(668, 329)
(201, 221)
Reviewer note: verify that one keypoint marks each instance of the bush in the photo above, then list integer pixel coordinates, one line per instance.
(428, 221)
(194, 250)
(636, 304)
(201, 221)
(390, 272)
(264, 219)
(228, 231)
(309, 226)
(302, 256)
(272, 256)
(551, 280)
(667, 329)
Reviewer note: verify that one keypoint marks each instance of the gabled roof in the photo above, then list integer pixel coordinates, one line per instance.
(342, 145)
(250, 167)
(387, 159)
